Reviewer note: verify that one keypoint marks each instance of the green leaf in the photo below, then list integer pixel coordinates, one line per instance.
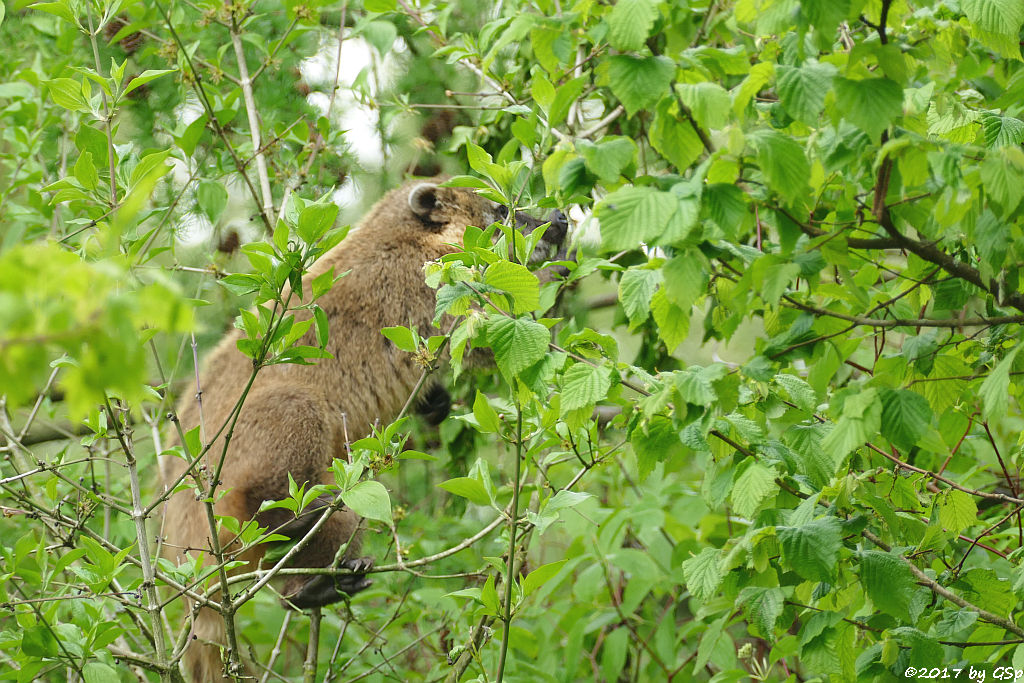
(67, 93)
(994, 391)
(762, 607)
(518, 343)
(1003, 179)
(629, 23)
(486, 416)
(583, 385)
(517, 281)
(380, 5)
(369, 499)
(996, 23)
(402, 337)
(608, 158)
(1002, 131)
(800, 392)
(783, 163)
(639, 82)
(673, 322)
(315, 220)
(145, 77)
(888, 581)
(675, 139)
(802, 89)
(870, 104)
(754, 485)
(98, 672)
(812, 549)
(957, 510)
(541, 575)
(905, 417)
(636, 287)
(85, 171)
(211, 197)
(709, 103)
(703, 573)
(634, 215)
(467, 487)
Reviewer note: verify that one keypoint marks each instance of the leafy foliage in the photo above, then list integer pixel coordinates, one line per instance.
(791, 452)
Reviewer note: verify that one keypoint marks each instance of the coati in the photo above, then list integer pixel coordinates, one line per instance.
(295, 419)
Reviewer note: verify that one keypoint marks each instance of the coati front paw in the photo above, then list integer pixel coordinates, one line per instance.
(325, 590)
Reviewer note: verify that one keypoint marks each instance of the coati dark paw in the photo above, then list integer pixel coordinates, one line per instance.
(325, 590)
(434, 404)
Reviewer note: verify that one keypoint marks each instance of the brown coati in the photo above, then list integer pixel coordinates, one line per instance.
(295, 419)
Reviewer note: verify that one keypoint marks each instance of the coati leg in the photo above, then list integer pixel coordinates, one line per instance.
(341, 528)
(280, 431)
(434, 404)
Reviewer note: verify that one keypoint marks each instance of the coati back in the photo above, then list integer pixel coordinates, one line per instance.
(295, 418)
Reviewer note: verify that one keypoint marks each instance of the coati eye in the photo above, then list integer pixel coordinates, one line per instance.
(502, 212)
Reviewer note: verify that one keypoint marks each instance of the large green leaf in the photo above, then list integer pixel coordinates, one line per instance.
(905, 417)
(783, 163)
(517, 281)
(871, 104)
(630, 22)
(634, 215)
(888, 582)
(636, 287)
(583, 385)
(754, 485)
(639, 82)
(802, 89)
(812, 549)
(703, 573)
(369, 499)
(518, 343)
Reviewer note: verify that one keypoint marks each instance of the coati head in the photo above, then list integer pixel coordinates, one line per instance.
(442, 208)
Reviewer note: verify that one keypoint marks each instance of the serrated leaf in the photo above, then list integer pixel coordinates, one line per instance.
(629, 23)
(763, 607)
(1002, 131)
(583, 385)
(871, 104)
(994, 391)
(369, 499)
(783, 163)
(800, 392)
(1003, 180)
(957, 511)
(694, 386)
(905, 417)
(517, 343)
(636, 287)
(634, 215)
(703, 574)
(888, 582)
(812, 549)
(673, 138)
(639, 82)
(685, 278)
(802, 89)
(517, 281)
(754, 485)
(608, 158)
(708, 102)
(673, 322)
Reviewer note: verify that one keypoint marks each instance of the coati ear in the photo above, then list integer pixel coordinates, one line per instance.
(423, 199)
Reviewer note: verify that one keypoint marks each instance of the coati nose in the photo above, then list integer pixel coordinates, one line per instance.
(559, 228)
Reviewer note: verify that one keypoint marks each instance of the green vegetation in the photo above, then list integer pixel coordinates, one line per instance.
(827, 192)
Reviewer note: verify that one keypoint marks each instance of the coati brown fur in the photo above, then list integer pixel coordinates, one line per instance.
(295, 418)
